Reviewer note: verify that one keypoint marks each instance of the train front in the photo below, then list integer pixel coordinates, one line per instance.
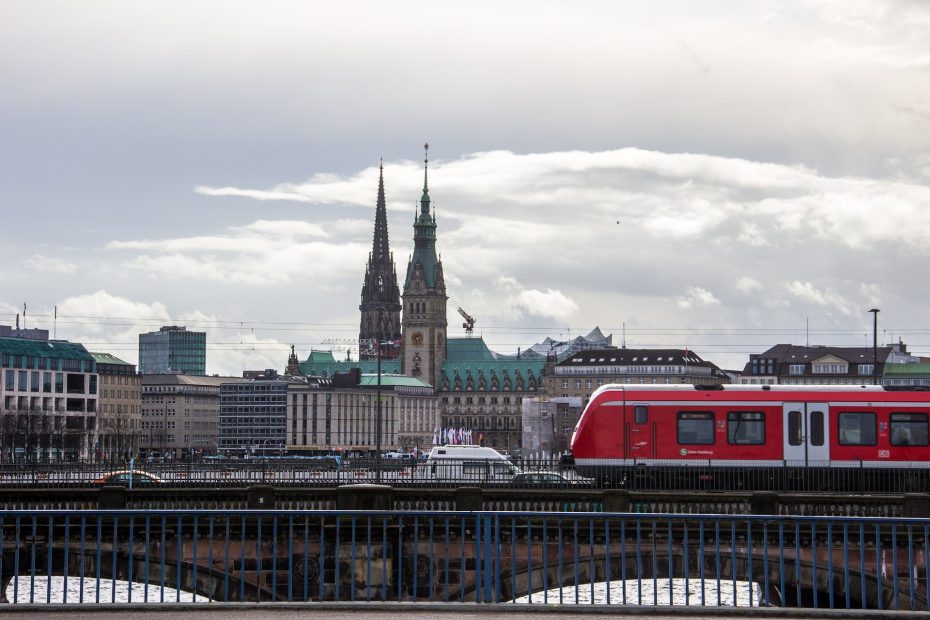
(595, 444)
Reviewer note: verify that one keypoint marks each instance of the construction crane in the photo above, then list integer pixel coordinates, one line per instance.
(469, 323)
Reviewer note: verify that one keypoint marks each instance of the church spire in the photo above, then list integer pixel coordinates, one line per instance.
(380, 303)
(380, 249)
(424, 200)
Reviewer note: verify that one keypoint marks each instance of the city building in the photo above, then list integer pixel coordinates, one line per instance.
(582, 373)
(423, 342)
(173, 349)
(16, 332)
(341, 413)
(253, 414)
(323, 364)
(907, 376)
(792, 364)
(48, 395)
(483, 393)
(180, 414)
(119, 410)
(561, 349)
(548, 424)
(380, 307)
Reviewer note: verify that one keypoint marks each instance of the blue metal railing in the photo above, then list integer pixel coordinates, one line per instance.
(488, 557)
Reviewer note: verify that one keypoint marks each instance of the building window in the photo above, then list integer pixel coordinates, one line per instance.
(857, 428)
(695, 427)
(796, 369)
(746, 427)
(829, 369)
(866, 370)
(909, 429)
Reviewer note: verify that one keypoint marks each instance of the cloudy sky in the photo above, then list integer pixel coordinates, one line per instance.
(718, 175)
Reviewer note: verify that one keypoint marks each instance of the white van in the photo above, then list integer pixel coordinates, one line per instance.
(468, 463)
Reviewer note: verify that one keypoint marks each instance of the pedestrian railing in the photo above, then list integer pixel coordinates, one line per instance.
(519, 558)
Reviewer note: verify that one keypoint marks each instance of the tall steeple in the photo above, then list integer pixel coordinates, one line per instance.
(380, 305)
(423, 349)
(424, 236)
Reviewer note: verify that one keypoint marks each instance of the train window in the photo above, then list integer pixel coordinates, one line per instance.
(746, 427)
(640, 414)
(794, 428)
(696, 427)
(857, 428)
(816, 422)
(909, 429)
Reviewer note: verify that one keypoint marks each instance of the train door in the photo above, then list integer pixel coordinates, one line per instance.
(640, 433)
(806, 432)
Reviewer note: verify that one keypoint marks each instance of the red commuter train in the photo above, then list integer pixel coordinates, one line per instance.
(780, 437)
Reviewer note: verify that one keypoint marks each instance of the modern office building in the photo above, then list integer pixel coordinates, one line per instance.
(180, 414)
(48, 400)
(253, 414)
(173, 349)
(119, 413)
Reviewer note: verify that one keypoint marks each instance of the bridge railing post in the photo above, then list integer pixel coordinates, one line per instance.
(469, 499)
(112, 497)
(261, 497)
(617, 500)
(917, 505)
(364, 497)
(764, 503)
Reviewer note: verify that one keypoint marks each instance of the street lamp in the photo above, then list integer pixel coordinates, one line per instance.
(875, 312)
(378, 411)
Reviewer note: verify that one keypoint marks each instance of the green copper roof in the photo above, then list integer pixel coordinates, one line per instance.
(56, 349)
(320, 357)
(467, 350)
(328, 369)
(907, 370)
(393, 380)
(424, 240)
(491, 376)
(471, 357)
(108, 358)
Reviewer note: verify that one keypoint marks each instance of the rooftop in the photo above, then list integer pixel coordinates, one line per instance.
(392, 380)
(109, 358)
(56, 349)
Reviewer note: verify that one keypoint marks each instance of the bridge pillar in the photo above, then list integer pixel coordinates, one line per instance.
(364, 497)
(764, 503)
(469, 499)
(617, 500)
(261, 497)
(111, 498)
(917, 505)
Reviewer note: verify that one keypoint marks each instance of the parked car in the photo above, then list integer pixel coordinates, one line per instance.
(543, 479)
(123, 478)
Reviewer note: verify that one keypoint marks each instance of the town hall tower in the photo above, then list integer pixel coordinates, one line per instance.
(423, 348)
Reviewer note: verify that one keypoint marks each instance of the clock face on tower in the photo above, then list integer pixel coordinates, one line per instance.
(417, 339)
